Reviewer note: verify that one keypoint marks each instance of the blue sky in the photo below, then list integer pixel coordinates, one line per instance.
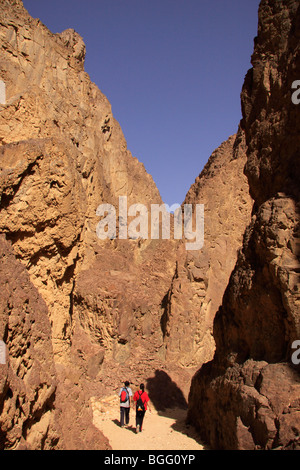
(172, 70)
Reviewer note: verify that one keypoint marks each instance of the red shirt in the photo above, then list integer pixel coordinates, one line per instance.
(144, 397)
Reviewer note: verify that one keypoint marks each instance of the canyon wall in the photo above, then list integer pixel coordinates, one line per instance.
(62, 155)
(202, 275)
(80, 315)
(247, 396)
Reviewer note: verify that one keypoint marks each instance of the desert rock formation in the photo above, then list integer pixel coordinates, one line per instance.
(202, 275)
(79, 314)
(247, 397)
(63, 154)
(28, 381)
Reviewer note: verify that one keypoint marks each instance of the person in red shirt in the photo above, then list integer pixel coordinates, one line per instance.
(142, 402)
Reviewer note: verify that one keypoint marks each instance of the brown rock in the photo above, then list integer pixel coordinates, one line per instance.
(202, 275)
(62, 155)
(259, 317)
(27, 380)
(135, 309)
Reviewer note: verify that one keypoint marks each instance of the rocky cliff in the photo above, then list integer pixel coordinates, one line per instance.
(62, 155)
(79, 315)
(247, 397)
(28, 380)
(201, 275)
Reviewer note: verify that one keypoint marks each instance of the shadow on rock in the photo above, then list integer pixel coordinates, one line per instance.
(181, 425)
(169, 401)
(164, 393)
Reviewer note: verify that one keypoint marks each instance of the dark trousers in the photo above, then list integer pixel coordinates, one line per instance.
(124, 415)
(139, 418)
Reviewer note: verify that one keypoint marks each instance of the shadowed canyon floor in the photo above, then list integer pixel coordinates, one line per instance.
(165, 430)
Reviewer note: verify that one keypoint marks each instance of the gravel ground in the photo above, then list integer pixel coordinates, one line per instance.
(165, 430)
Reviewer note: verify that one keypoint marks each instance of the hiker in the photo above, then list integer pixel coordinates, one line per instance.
(141, 401)
(125, 394)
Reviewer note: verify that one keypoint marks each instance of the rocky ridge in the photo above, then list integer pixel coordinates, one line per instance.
(136, 309)
(251, 388)
(201, 275)
(62, 155)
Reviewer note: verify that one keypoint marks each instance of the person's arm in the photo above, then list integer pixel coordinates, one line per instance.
(148, 405)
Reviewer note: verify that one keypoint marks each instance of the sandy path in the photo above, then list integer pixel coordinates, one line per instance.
(161, 431)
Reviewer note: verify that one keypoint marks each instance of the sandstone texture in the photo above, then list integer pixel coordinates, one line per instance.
(62, 154)
(247, 397)
(202, 275)
(80, 315)
(28, 382)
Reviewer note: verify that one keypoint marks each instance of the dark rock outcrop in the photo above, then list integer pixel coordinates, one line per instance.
(247, 397)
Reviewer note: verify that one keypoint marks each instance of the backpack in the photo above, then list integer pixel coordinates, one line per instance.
(140, 406)
(124, 395)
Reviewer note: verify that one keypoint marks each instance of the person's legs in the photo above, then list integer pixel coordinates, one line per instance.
(127, 410)
(142, 419)
(122, 412)
(139, 420)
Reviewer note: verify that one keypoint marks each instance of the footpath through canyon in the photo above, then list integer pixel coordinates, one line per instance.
(162, 430)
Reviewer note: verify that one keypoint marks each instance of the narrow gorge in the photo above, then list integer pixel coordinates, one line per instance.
(210, 329)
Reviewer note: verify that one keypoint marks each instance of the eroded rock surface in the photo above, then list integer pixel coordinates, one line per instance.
(117, 309)
(62, 155)
(202, 275)
(27, 381)
(247, 397)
